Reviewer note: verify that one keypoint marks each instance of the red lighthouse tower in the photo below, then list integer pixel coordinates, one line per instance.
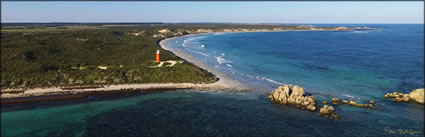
(157, 56)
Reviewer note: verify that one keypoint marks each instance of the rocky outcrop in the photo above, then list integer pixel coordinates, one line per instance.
(335, 101)
(294, 96)
(416, 95)
(328, 112)
(353, 103)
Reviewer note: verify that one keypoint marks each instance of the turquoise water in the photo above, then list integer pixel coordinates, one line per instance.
(357, 65)
(362, 63)
(192, 113)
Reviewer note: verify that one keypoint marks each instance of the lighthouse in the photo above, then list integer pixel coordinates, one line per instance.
(157, 56)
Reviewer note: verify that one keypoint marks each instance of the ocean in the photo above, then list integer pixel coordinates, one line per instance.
(358, 65)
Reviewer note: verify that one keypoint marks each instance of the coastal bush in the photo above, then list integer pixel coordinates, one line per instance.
(40, 54)
(54, 58)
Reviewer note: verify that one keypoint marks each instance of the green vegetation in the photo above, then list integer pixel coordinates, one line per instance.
(59, 54)
(51, 58)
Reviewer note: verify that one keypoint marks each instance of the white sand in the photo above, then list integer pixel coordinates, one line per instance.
(224, 80)
(172, 63)
(58, 90)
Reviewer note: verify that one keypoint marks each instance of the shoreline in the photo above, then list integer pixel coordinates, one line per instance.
(83, 95)
(224, 81)
(136, 87)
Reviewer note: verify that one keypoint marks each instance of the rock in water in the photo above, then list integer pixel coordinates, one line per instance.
(291, 101)
(417, 95)
(271, 98)
(297, 92)
(405, 99)
(310, 99)
(286, 90)
(313, 108)
(306, 103)
(294, 96)
(328, 112)
(397, 99)
(335, 99)
(324, 110)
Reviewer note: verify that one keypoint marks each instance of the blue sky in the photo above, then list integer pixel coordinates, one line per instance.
(235, 12)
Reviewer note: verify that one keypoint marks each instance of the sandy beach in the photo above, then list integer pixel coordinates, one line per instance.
(224, 82)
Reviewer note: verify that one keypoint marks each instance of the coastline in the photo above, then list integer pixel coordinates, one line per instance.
(224, 82)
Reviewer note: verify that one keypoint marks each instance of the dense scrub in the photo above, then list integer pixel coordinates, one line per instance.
(52, 54)
(52, 58)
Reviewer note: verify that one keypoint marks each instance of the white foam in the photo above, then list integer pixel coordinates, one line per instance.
(201, 53)
(221, 60)
(184, 45)
(271, 80)
(360, 32)
(229, 65)
(222, 54)
(202, 46)
(194, 38)
(263, 78)
(349, 96)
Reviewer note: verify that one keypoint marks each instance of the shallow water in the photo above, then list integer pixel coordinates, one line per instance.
(192, 113)
(357, 65)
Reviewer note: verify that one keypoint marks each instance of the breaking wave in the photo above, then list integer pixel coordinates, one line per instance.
(194, 38)
(201, 53)
(222, 60)
(360, 32)
(263, 78)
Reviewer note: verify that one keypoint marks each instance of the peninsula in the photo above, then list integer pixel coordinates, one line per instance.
(43, 59)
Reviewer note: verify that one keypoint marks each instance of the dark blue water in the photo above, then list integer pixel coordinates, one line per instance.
(357, 65)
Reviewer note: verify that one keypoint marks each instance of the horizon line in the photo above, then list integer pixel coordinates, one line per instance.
(52, 22)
